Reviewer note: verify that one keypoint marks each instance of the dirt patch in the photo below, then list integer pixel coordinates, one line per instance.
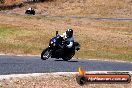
(56, 81)
(93, 8)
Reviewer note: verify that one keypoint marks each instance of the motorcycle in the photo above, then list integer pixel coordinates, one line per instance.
(57, 49)
(30, 12)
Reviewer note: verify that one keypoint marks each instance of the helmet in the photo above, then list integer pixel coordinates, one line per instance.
(30, 8)
(69, 33)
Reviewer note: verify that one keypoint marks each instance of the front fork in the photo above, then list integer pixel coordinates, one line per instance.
(47, 55)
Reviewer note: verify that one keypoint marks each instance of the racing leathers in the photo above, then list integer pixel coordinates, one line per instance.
(69, 41)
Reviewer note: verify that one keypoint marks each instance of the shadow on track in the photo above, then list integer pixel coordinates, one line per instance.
(67, 61)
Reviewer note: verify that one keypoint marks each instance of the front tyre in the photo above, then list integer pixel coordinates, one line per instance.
(66, 58)
(26, 12)
(45, 54)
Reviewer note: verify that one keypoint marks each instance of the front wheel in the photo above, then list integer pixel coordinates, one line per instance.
(45, 54)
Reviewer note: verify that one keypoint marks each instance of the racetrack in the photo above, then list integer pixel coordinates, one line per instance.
(33, 64)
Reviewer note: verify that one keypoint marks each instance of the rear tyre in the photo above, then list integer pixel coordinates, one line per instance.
(33, 12)
(45, 54)
(66, 58)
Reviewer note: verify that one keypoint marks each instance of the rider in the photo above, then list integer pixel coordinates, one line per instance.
(30, 9)
(68, 37)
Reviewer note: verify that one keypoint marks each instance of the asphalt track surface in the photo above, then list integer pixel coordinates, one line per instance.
(33, 64)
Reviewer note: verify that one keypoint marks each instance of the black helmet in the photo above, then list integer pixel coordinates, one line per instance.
(69, 33)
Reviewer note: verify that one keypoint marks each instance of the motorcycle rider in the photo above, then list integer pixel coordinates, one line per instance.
(69, 41)
(68, 37)
(61, 46)
(30, 11)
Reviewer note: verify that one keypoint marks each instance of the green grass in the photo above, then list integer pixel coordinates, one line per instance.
(6, 31)
(10, 42)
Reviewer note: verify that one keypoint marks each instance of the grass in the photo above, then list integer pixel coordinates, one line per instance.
(99, 39)
(10, 2)
(17, 40)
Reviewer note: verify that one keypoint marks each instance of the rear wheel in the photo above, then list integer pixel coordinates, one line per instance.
(33, 12)
(45, 54)
(68, 57)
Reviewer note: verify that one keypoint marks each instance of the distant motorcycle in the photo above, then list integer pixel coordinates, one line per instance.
(32, 12)
(57, 49)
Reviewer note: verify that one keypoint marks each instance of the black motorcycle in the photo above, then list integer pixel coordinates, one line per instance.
(57, 49)
(32, 12)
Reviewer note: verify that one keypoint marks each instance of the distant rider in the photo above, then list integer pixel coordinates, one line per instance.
(30, 9)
